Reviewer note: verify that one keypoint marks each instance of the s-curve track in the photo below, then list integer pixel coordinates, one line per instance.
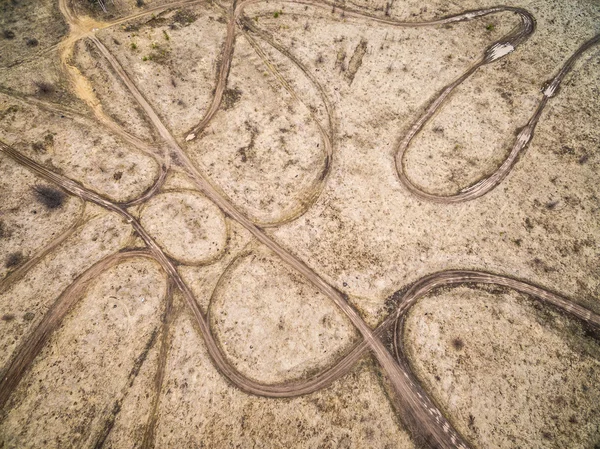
(421, 413)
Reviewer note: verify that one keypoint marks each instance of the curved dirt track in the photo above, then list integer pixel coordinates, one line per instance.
(525, 135)
(416, 407)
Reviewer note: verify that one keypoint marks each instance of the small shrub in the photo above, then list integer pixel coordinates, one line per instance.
(160, 56)
(8, 34)
(32, 42)
(50, 197)
(43, 87)
(490, 27)
(184, 17)
(276, 14)
(14, 259)
(388, 8)
(231, 97)
(458, 344)
(38, 147)
(133, 46)
(167, 37)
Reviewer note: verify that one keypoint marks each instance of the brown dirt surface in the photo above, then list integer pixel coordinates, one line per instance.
(300, 224)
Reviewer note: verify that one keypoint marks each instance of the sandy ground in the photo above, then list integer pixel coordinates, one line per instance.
(122, 279)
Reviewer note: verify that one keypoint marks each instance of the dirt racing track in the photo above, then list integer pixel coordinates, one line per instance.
(299, 224)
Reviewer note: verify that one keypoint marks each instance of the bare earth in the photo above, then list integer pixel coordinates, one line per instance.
(299, 224)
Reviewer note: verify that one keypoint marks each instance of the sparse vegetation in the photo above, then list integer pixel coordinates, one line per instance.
(458, 343)
(8, 111)
(156, 21)
(184, 17)
(44, 87)
(50, 197)
(160, 56)
(490, 27)
(42, 147)
(231, 97)
(8, 34)
(132, 27)
(388, 8)
(14, 259)
(360, 120)
(32, 42)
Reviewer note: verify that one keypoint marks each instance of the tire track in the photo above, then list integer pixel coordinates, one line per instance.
(161, 331)
(313, 191)
(525, 135)
(149, 439)
(427, 418)
(23, 269)
(27, 352)
(436, 429)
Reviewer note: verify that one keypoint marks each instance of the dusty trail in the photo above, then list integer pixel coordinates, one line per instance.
(31, 347)
(34, 344)
(488, 183)
(497, 50)
(153, 190)
(418, 289)
(419, 409)
(144, 147)
(430, 422)
(36, 258)
(247, 26)
(457, 277)
(344, 365)
(435, 428)
(226, 57)
(313, 191)
(148, 441)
